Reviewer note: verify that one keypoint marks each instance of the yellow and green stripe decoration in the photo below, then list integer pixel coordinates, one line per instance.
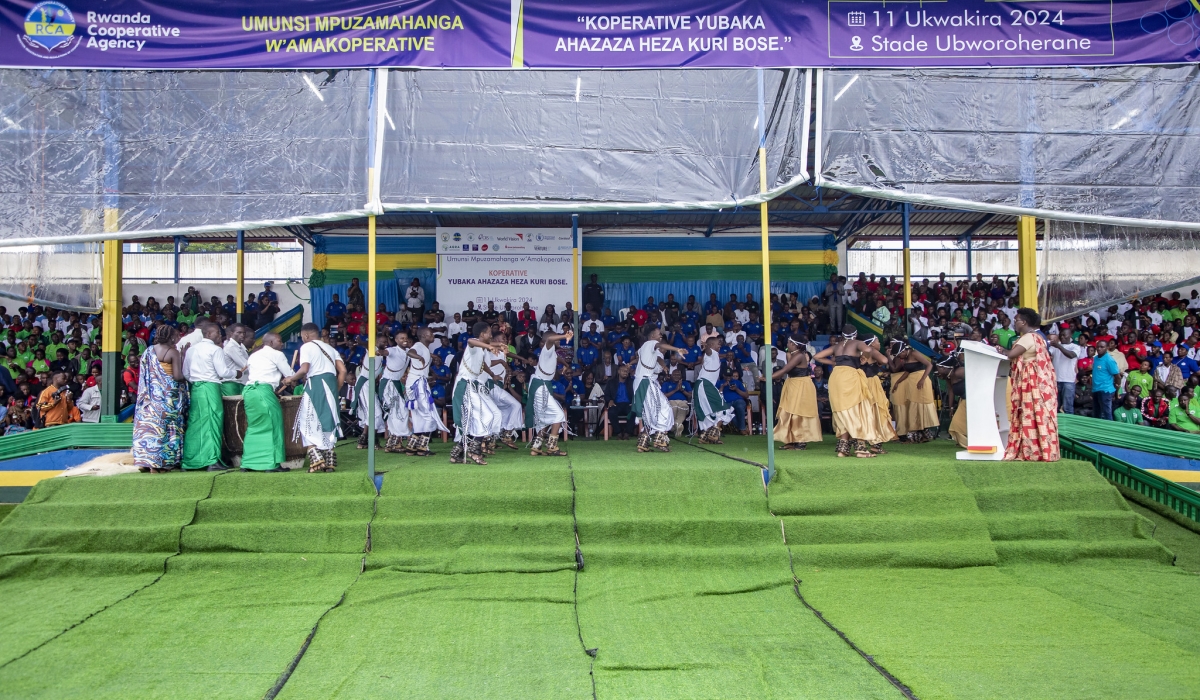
(670, 258)
(614, 257)
(343, 258)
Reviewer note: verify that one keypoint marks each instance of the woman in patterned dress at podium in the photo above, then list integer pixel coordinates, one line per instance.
(1033, 402)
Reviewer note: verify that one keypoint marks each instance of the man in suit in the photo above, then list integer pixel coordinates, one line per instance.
(618, 402)
(508, 315)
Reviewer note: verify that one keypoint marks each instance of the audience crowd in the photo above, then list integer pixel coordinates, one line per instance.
(1135, 362)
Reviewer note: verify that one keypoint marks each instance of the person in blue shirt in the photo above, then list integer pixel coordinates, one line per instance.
(1187, 366)
(691, 353)
(1104, 373)
(679, 394)
(754, 329)
(437, 392)
(688, 327)
(595, 338)
(734, 393)
(357, 352)
(335, 312)
(439, 370)
(650, 307)
(690, 313)
(625, 351)
(230, 306)
(587, 352)
(713, 306)
(608, 319)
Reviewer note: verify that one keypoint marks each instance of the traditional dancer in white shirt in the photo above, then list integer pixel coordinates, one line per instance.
(317, 422)
(391, 389)
(360, 405)
(237, 356)
(709, 406)
(512, 413)
(422, 412)
(475, 414)
(649, 402)
(543, 414)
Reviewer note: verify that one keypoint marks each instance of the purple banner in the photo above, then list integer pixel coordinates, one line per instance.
(812, 33)
(620, 34)
(270, 34)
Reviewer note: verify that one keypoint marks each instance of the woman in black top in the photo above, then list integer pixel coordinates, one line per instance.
(854, 419)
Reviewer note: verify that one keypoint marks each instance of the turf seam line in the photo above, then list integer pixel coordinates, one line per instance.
(592, 653)
(177, 552)
(904, 689)
(291, 667)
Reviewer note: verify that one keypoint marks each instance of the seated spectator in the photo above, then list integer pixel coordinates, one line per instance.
(1184, 413)
(734, 393)
(1128, 411)
(1156, 411)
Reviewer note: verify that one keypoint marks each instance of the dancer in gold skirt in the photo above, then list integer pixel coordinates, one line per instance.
(912, 395)
(883, 407)
(956, 377)
(798, 422)
(855, 420)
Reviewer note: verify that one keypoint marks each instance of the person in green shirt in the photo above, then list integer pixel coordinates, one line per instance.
(55, 343)
(1004, 334)
(1142, 377)
(1185, 412)
(24, 354)
(39, 361)
(1128, 412)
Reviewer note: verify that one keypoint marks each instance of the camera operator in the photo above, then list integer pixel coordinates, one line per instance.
(56, 404)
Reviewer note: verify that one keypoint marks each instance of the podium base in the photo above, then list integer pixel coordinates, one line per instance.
(996, 456)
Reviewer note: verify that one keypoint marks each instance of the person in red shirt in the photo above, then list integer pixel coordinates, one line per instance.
(639, 316)
(356, 325)
(1156, 410)
(382, 317)
(132, 374)
(526, 318)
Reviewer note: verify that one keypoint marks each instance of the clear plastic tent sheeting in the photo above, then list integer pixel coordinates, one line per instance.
(177, 149)
(64, 276)
(1090, 266)
(590, 140)
(1106, 145)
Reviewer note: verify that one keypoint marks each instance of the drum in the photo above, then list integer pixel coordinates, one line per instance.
(235, 425)
(292, 447)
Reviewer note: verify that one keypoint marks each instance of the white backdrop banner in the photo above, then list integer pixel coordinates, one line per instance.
(504, 265)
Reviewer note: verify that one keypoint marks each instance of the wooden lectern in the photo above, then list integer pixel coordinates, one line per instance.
(987, 402)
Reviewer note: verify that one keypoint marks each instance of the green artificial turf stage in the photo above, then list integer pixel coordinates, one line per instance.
(963, 580)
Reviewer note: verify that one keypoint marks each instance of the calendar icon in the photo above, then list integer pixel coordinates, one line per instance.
(856, 19)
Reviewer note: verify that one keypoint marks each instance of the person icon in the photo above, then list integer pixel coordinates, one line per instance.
(856, 43)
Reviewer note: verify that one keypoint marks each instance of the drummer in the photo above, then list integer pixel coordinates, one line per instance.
(269, 373)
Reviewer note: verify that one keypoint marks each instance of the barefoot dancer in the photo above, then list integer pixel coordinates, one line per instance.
(883, 407)
(798, 423)
(854, 419)
(912, 395)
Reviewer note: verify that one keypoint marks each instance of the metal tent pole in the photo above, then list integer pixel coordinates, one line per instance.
(240, 295)
(1027, 262)
(768, 390)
